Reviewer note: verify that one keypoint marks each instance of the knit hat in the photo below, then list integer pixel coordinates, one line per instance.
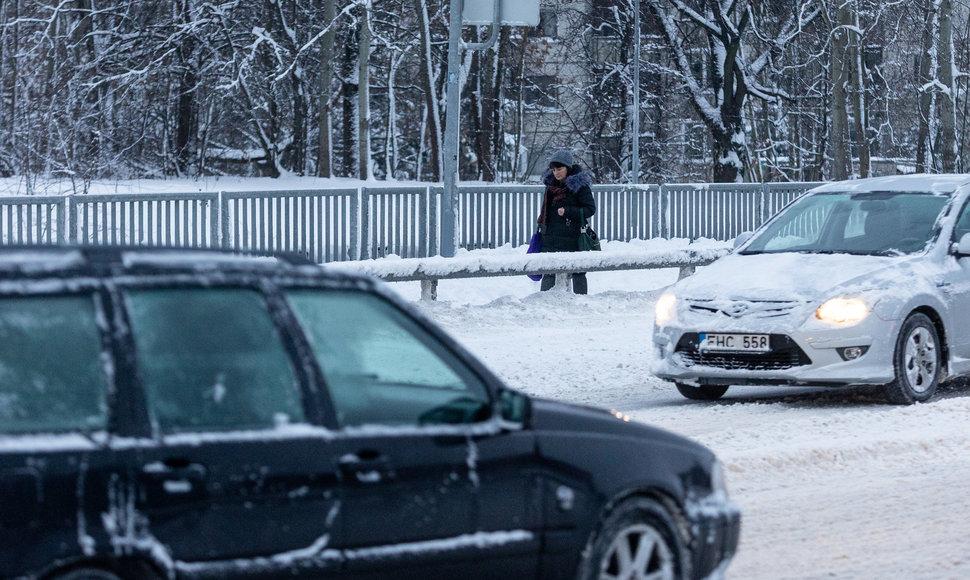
(562, 157)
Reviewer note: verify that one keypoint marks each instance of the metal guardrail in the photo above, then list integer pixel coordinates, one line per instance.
(333, 225)
(432, 269)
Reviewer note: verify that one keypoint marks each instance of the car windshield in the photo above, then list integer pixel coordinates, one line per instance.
(873, 223)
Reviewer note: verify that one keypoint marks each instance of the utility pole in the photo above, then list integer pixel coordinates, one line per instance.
(449, 205)
(527, 14)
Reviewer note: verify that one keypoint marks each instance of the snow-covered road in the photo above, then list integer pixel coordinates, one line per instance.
(831, 483)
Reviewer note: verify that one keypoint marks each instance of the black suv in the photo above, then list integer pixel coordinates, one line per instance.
(197, 414)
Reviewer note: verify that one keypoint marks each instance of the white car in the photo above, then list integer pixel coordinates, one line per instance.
(862, 282)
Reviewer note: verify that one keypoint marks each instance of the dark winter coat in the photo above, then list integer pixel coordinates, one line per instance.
(561, 233)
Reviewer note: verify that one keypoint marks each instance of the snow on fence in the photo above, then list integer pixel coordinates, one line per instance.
(334, 225)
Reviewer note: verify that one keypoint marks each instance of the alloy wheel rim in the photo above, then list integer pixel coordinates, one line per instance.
(638, 552)
(920, 361)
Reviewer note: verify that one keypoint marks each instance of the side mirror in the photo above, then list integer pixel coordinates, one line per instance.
(514, 406)
(962, 247)
(741, 239)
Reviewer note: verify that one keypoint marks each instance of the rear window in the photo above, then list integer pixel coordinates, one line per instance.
(211, 359)
(51, 374)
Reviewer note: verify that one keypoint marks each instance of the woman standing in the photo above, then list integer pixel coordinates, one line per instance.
(567, 203)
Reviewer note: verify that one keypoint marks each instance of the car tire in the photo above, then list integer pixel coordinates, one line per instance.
(638, 539)
(702, 392)
(917, 362)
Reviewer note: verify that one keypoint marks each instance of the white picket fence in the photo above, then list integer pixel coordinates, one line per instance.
(332, 225)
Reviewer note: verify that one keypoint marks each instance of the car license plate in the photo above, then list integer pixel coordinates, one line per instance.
(720, 342)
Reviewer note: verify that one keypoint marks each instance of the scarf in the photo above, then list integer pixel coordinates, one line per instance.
(554, 192)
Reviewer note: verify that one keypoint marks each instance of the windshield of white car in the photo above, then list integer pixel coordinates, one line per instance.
(871, 223)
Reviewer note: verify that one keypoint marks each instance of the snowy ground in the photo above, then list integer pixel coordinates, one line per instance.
(831, 483)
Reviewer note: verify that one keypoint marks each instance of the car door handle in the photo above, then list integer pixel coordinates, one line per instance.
(176, 476)
(366, 466)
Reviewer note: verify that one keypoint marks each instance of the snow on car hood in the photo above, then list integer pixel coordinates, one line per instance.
(791, 276)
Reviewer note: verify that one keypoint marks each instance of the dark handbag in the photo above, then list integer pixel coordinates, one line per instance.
(588, 240)
(535, 246)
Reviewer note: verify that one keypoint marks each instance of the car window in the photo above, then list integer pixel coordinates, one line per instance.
(879, 223)
(52, 376)
(383, 368)
(211, 359)
(963, 223)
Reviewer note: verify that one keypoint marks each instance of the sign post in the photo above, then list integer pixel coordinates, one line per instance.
(493, 12)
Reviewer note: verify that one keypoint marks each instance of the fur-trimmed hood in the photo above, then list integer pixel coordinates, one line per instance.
(575, 181)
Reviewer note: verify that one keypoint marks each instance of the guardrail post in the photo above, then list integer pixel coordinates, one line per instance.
(429, 289)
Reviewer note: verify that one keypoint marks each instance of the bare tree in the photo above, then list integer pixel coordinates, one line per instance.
(723, 27)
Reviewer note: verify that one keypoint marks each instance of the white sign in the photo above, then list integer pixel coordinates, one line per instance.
(513, 12)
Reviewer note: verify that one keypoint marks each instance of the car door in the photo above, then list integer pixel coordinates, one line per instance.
(238, 473)
(955, 286)
(56, 458)
(431, 485)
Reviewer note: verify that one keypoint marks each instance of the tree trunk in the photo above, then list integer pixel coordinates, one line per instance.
(857, 76)
(430, 94)
(841, 156)
(730, 152)
(519, 104)
(187, 121)
(324, 146)
(363, 93)
(925, 101)
(948, 144)
(348, 109)
(488, 96)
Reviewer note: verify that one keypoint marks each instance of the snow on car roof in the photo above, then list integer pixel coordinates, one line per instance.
(191, 257)
(40, 260)
(939, 184)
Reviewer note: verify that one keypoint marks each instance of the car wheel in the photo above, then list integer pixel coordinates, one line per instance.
(702, 392)
(916, 361)
(637, 540)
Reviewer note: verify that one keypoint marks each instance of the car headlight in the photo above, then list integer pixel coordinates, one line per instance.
(843, 310)
(665, 309)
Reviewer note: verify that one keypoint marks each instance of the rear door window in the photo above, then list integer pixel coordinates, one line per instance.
(52, 375)
(211, 359)
(383, 368)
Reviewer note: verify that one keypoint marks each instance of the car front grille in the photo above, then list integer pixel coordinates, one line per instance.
(784, 354)
(743, 308)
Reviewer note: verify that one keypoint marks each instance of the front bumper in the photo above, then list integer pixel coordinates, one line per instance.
(716, 528)
(807, 354)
